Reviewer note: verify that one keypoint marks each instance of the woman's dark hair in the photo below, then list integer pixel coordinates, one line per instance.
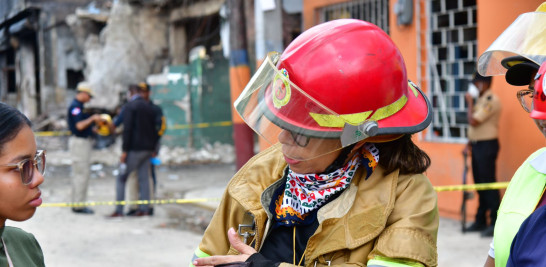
(402, 154)
(11, 122)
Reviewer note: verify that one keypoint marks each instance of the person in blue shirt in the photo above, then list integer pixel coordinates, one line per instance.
(80, 144)
(528, 245)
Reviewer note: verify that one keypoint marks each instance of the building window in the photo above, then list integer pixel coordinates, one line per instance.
(73, 77)
(374, 11)
(10, 71)
(451, 63)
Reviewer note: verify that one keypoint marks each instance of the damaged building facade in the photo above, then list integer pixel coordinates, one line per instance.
(47, 47)
(39, 56)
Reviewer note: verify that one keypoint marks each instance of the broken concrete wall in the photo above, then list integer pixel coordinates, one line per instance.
(61, 61)
(10, 8)
(45, 57)
(26, 79)
(126, 51)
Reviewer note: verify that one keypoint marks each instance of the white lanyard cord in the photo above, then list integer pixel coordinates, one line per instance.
(7, 255)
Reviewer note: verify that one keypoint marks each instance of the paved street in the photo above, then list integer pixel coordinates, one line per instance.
(169, 237)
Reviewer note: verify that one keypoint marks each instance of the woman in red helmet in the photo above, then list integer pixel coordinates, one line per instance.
(344, 184)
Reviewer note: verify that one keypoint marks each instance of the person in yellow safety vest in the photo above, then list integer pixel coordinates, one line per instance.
(518, 52)
(532, 232)
(344, 185)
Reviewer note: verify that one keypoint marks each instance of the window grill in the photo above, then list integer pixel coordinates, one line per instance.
(374, 11)
(451, 63)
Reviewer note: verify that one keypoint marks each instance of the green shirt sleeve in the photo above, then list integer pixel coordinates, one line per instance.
(22, 247)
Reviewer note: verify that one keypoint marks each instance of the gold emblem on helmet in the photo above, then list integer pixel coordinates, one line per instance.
(281, 89)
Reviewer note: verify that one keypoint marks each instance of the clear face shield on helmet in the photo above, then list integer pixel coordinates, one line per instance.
(272, 106)
(525, 37)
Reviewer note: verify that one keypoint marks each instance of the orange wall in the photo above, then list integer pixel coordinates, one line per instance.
(518, 134)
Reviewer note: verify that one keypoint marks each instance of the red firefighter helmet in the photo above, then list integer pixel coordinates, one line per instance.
(341, 79)
(539, 98)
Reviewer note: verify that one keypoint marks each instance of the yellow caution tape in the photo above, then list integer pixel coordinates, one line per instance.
(134, 202)
(52, 133)
(200, 125)
(485, 186)
(467, 187)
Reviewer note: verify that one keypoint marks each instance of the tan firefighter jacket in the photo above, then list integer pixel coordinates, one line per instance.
(383, 217)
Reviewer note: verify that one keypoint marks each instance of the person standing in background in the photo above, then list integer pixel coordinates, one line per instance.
(80, 144)
(139, 142)
(483, 118)
(160, 124)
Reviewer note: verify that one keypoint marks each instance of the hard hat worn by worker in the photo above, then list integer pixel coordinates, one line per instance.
(523, 42)
(144, 86)
(539, 98)
(104, 125)
(85, 87)
(343, 79)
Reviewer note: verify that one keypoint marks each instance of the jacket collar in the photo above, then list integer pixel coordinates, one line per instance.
(264, 169)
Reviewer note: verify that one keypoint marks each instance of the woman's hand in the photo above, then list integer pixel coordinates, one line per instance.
(237, 244)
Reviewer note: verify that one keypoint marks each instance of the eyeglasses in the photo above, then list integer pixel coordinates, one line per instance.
(525, 98)
(300, 140)
(26, 167)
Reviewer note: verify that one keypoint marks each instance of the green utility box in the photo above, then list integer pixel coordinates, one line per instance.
(196, 103)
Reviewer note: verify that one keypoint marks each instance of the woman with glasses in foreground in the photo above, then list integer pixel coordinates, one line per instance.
(21, 172)
(344, 185)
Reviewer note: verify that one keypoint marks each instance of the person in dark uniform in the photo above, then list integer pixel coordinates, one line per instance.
(160, 123)
(139, 142)
(483, 117)
(80, 144)
(132, 190)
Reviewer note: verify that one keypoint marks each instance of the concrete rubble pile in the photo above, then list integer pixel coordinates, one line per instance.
(130, 47)
(210, 153)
